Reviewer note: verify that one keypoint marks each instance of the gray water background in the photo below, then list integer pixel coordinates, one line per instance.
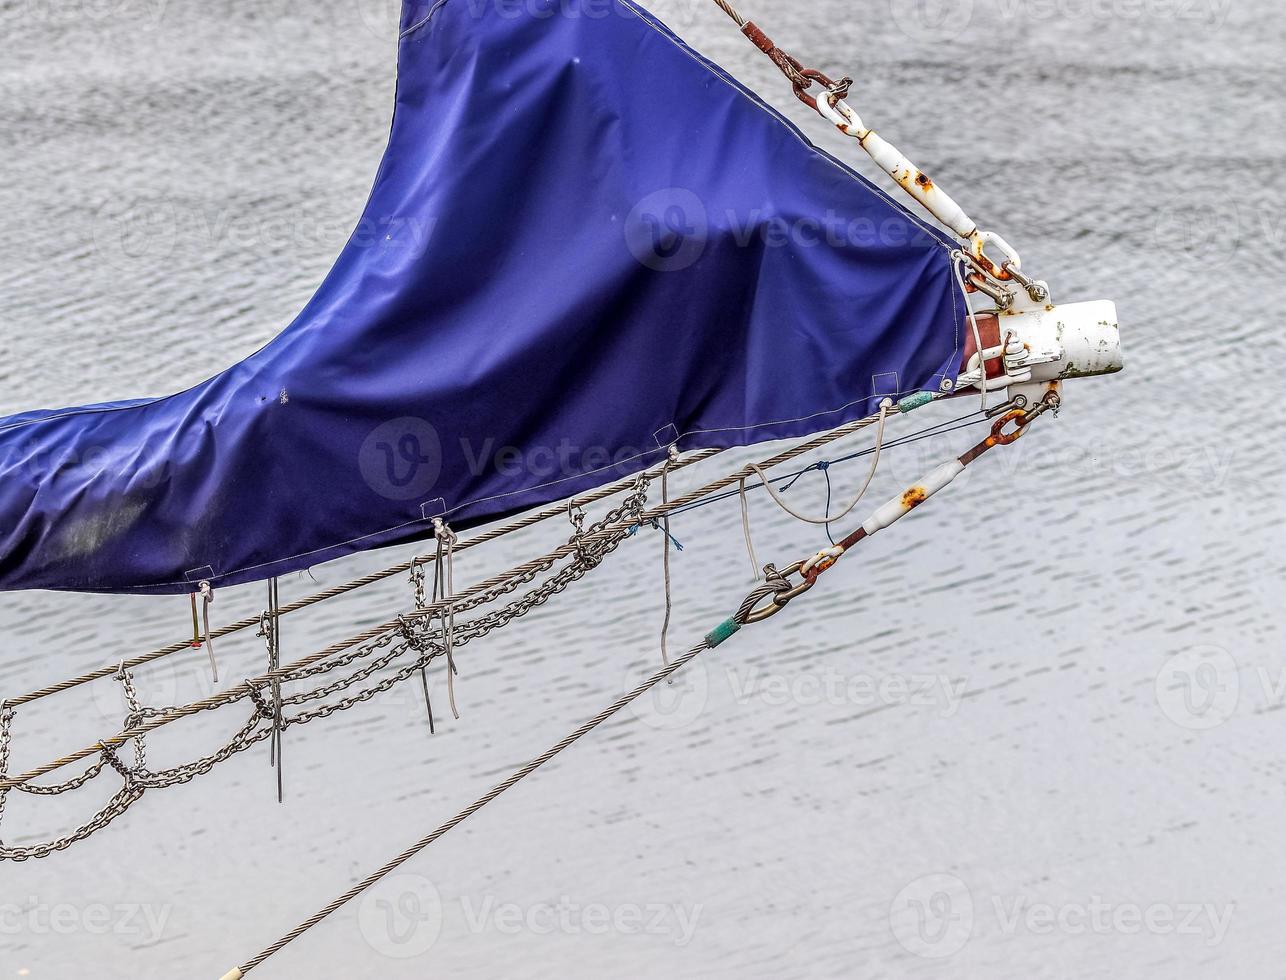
(1105, 598)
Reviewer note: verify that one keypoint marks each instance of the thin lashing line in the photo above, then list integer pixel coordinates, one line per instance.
(207, 598)
(958, 266)
(444, 590)
(665, 529)
(828, 520)
(745, 528)
(274, 666)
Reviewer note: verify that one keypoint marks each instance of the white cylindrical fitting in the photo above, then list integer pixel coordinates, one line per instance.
(919, 185)
(899, 507)
(1074, 340)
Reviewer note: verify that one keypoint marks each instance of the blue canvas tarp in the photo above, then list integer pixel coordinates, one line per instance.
(585, 243)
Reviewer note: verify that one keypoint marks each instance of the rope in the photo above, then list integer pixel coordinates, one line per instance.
(731, 11)
(712, 640)
(828, 520)
(800, 78)
(250, 687)
(745, 529)
(590, 549)
(958, 265)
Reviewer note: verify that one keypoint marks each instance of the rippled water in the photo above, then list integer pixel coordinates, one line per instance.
(1032, 733)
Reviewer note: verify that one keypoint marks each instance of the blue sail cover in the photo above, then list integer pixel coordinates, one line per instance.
(585, 243)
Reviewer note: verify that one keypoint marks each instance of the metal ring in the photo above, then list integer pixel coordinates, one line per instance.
(778, 601)
(1008, 439)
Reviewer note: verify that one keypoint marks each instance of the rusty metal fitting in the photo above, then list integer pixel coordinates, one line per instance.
(801, 78)
(1002, 438)
(759, 38)
(1023, 417)
(1003, 298)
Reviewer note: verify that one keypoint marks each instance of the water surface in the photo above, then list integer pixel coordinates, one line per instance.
(977, 729)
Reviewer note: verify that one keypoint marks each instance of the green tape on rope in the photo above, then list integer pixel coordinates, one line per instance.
(722, 633)
(911, 402)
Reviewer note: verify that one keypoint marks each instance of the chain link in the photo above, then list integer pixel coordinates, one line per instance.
(70, 785)
(135, 715)
(129, 794)
(6, 742)
(417, 582)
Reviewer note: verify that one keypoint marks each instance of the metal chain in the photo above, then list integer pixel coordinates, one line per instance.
(116, 807)
(494, 533)
(467, 632)
(135, 715)
(69, 786)
(417, 581)
(6, 744)
(591, 554)
(377, 650)
(593, 545)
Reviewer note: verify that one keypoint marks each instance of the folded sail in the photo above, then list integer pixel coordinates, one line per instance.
(585, 244)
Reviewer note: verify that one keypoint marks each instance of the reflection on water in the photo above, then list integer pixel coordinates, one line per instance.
(1028, 734)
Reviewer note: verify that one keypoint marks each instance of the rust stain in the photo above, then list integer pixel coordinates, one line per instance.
(996, 272)
(923, 180)
(760, 39)
(914, 497)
